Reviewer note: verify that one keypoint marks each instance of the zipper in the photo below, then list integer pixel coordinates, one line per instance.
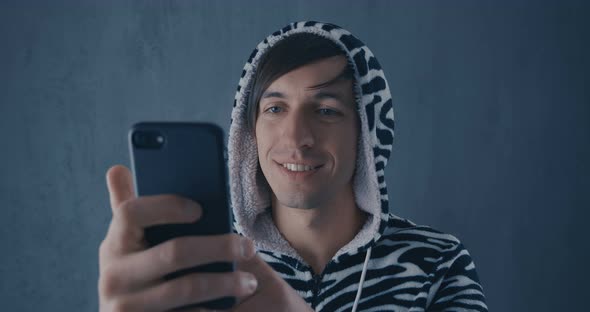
(317, 281)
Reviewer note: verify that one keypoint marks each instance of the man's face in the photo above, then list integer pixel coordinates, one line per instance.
(307, 135)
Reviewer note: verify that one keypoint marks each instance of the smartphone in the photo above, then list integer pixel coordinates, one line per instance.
(185, 159)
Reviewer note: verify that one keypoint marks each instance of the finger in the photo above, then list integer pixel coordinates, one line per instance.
(151, 210)
(120, 185)
(154, 209)
(201, 310)
(254, 302)
(191, 289)
(126, 233)
(255, 265)
(265, 276)
(136, 270)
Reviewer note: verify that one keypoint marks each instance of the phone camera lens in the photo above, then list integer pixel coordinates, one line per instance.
(140, 138)
(148, 139)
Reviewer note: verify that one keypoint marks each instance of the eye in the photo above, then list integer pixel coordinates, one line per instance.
(328, 112)
(273, 110)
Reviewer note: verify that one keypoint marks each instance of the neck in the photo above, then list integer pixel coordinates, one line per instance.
(318, 233)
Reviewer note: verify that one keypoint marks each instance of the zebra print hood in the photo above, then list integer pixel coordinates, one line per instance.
(250, 194)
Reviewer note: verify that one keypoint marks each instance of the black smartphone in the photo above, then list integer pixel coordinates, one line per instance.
(185, 159)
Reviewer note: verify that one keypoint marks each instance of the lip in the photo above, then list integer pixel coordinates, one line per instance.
(298, 174)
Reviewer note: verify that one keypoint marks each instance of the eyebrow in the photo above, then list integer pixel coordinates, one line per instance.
(320, 95)
(328, 95)
(273, 94)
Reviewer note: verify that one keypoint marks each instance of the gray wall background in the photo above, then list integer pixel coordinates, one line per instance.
(491, 102)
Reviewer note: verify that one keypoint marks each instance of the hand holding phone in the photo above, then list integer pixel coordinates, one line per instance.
(136, 274)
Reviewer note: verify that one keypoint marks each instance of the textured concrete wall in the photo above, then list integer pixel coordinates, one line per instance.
(492, 113)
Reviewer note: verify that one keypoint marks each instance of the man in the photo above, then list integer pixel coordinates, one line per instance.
(311, 133)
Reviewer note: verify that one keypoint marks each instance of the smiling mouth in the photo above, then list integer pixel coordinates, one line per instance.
(299, 167)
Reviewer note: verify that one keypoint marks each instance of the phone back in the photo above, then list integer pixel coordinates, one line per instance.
(185, 159)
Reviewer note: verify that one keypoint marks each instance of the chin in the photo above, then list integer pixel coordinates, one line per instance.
(299, 201)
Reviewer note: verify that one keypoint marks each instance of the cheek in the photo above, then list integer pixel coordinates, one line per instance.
(341, 142)
(261, 136)
(348, 146)
(350, 151)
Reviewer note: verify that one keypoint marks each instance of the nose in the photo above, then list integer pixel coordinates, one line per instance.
(297, 132)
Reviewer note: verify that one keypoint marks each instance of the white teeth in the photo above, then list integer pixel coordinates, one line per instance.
(297, 167)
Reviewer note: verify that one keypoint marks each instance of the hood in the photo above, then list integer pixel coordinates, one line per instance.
(250, 195)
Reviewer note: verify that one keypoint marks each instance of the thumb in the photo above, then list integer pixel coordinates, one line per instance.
(120, 185)
(258, 267)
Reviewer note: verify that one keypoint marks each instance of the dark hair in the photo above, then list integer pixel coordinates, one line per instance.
(288, 54)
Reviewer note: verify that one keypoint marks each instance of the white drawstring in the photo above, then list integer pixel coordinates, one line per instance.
(362, 280)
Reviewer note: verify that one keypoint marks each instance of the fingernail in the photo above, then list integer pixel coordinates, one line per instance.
(249, 283)
(193, 209)
(247, 248)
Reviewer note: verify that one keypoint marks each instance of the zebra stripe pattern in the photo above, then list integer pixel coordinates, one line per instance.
(412, 268)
